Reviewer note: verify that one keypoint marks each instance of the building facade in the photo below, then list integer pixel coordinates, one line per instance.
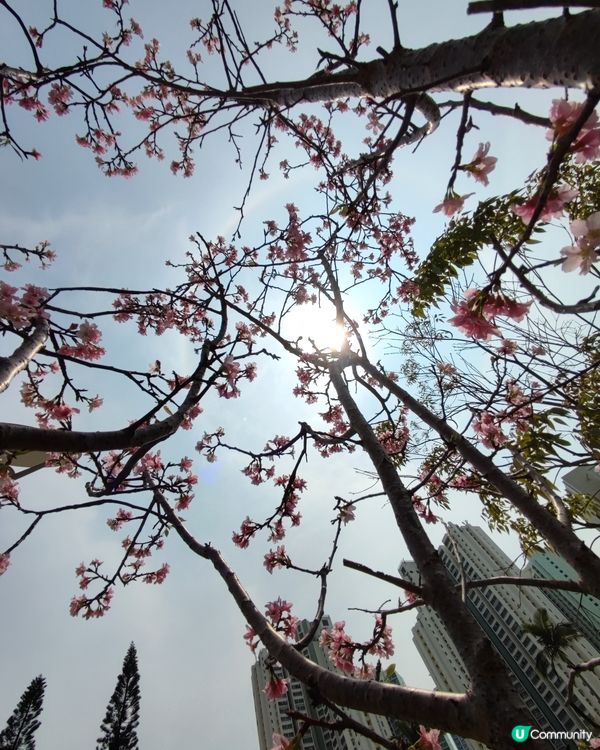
(579, 609)
(501, 611)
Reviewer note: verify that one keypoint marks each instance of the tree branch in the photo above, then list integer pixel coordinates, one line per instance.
(395, 580)
(451, 711)
(566, 543)
(498, 6)
(10, 366)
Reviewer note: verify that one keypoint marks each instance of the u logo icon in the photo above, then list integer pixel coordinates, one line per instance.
(520, 733)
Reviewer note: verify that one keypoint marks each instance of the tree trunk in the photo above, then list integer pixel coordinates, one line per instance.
(498, 701)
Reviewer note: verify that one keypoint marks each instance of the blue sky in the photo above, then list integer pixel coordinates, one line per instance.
(195, 668)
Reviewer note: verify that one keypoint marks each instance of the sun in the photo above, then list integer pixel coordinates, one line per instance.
(316, 328)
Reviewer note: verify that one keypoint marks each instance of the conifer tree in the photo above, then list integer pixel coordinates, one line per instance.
(122, 713)
(22, 725)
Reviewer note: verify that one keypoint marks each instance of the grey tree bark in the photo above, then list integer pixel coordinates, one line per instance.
(560, 52)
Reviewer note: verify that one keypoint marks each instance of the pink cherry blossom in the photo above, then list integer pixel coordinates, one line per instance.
(116, 523)
(563, 115)
(471, 322)
(346, 514)
(158, 576)
(247, 531)
(507, 346)
(251, 638)
(499, 304)
(445, 368)
(59, 97)
(280, 742)
(452, 203)
(276, 609)
(477, 317)
(584, 253)
(460, 482)
(481, 164)
(276, 559)
(553, 208)
(490, 433)
(576, 257)
(9, 489)
(276, 688)
(384, 647)
(429, 739)
(340, 646)
(4, 563)
(279, 613)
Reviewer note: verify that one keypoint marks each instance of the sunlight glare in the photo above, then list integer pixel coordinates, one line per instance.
(315, 324)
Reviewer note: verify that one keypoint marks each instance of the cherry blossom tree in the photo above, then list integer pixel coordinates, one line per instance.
(436, 426)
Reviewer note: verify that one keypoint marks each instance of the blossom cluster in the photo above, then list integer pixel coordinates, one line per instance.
(292, 485)
(490, 432)
(584, 253)
(553, 208)
(479, 168)
(22, 310)
(4, 562)
(41, 251)
(563, 116)
(276, 688)
(9, 491)
(87, 338)
(476, 314)
(91, 607)
(342, 648)
(279, 614)
(276, 558)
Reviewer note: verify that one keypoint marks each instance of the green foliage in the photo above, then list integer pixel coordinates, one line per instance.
(494, 221)
(586, 178)
(552, 637)
(460, 245)
(22, 725)
(122, 713)
(499, 515)
(542, 439)
(582, 506)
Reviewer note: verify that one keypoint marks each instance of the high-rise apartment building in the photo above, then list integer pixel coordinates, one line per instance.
(500, 611)
(272, 715)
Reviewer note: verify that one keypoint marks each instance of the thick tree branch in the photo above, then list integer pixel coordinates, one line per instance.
(15, 437)
(23, 354)
(496, 57)
(452, 712)
(438, 590)
(498, 6)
